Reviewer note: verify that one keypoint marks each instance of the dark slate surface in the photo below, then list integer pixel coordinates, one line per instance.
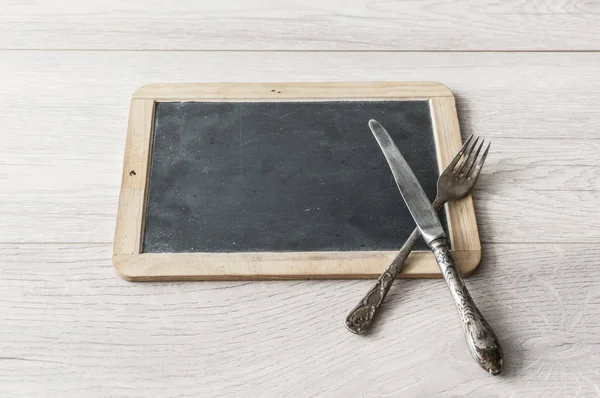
(284, 176)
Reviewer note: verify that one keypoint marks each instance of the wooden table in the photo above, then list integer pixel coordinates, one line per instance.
(526, 76)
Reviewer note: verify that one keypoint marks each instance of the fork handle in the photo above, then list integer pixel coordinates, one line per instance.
(361, 317)
(481, 339)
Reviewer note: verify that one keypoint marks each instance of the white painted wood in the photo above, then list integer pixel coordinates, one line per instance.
(70, 327)
(302, 25)
(63, 131)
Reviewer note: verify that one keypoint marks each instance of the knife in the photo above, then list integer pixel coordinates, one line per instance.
(481, 339)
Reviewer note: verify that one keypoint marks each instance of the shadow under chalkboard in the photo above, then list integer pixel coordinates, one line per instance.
(282, 176)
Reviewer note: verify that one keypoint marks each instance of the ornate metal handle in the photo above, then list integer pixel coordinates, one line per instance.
(481, 339)
(360, 318)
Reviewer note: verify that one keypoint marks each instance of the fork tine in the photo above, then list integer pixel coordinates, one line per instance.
(469, 151)
(454, 161)
(472, 158)
(475, 174)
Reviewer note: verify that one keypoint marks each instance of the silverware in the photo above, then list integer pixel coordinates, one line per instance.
(456, 182)
(481, 339)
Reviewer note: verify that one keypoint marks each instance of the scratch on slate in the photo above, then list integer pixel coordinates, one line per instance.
(241, 148)
(280, 117)
(241, 120)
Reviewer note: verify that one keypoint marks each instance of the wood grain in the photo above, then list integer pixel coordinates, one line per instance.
(282, 265)
(517, 95)
(462, 224)
(291, 91)
(129, 227)
(71, 327)
(63, 132)
(432, 25)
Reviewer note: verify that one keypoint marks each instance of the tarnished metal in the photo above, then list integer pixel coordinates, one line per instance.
(481, 339)
(456, 181)
(418, 204)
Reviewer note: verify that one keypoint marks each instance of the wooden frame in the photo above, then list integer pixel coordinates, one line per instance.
(133, 265)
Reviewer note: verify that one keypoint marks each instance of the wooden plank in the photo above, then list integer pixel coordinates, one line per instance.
(130, 220)
(462, 224)
(274, 265)
(291, 91)
(434, 25)
(538, 95)
(66, 313)
(551, 215)
(60, 178)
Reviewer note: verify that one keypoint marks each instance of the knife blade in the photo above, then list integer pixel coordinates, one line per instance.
(416, 200)
(481, 339)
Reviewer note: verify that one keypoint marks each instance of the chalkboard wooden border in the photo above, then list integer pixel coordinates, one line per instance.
(133, 265)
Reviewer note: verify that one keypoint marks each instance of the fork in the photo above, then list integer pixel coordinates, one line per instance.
(456, 182)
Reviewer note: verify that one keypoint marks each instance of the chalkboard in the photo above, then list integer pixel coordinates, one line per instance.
(282, 176)
(282, 180)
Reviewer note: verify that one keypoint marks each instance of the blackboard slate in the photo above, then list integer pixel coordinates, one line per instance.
(282, 176)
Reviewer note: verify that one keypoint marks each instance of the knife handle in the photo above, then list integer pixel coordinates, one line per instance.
(481, 339)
